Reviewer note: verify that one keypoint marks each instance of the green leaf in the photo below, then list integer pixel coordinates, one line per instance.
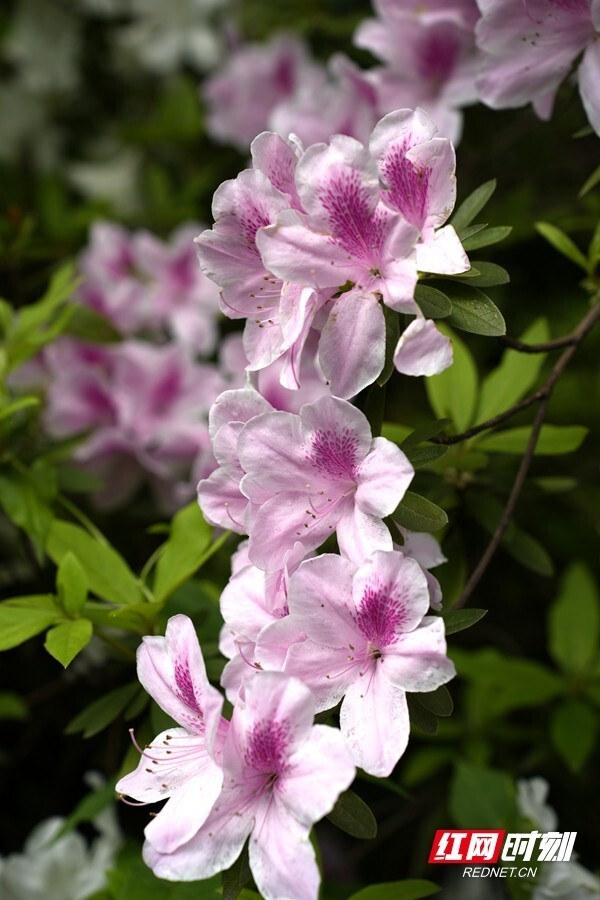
(108, 575)
(395, 433)
(237, 875)
(591, 182)
(88, 325)
(101, 712)
(133, 880)
(392, 333)
(352, 815)
(486, 274)
(72, 584)
(23, 403)
(474, 311)
(420, 716)
(573, 731)
(472, 205)
(563, 243)
(461, 619)
(12, 706)
(88, 808)
(528, 551)
(426, 453)
(515, 375)
(24, 617)
(419, 514)
(25, 500)
(432, 302)
(487, 237)
(553, 440)
(481, 797)
(411, 889)
(574, 621)
(438, 702)
(184, 552)
(453, 393)
(424, 433)
(66, 640)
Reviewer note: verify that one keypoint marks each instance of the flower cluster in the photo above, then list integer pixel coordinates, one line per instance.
(321, 239)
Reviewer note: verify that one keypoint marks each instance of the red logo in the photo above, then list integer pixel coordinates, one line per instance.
(467, 846)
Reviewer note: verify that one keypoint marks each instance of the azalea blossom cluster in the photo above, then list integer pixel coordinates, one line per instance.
(438, 55)
(321, 240)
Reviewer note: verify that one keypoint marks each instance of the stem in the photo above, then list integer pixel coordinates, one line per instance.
(489, 423)
(566, 341)
(544, 394)
(116, 644)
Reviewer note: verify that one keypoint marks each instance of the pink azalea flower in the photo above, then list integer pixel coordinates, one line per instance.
(257, 77)
(181, 765)
(281, 774)
(529, 47)
(219, 495)
(422, 349)
(428, 553)
(142, 284)
(146, 408)
(368, 641)
(429, 54)
(315, 473)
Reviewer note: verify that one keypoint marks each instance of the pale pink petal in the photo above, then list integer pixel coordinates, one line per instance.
(374, 720)
(320, 600)
(422, 349)
(403, 127)
(159, 774)
(418, 661)
(352, 345)
(182, 815)
(318, 772)
(243, 603)
(337, 433)
(589, 82)
(423, 547)
(383, 478)
(327, 671)
(239, 405)
(272, 698)
(271, 452)
(275, 641)
(171, 669)
(442, 253)
(360, 534)
(282, 858)
(215, 846)
(221, 501)
(263, 341)
(398, 265)
(391, 596)
(277, 159)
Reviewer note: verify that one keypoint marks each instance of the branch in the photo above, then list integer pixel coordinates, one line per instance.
(567, 341)
(544, 394)
(489, 423)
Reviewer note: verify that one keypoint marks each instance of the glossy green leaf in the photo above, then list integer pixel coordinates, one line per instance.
(426, 453)
(392, 333)
(424, 433)
(432, 302)
(420, 716)
(107, 573)
(474, 311)
(411, 889)
(352, 815)
(486, 274)
(237, 875)
(24, 617)
(573, 730)
(12, 706)
(23, 403)
(487, 237)
(461, 619)
(481, 797)
(184, 552)
(563, 243)
(472, 205)
(553, 440)
(453, 393)
(88, 808)
(574, 621)
(395, 433)
(103, 711)
(65, 641)
(72, 584)
(88, 325)
(591, 182)
(438, 702)
(419, 514)
(26, 498)
(515, 376)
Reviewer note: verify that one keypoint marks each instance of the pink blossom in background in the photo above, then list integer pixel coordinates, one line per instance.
(429, 55)
(146, 408)
(181, 765)
(369, 641)
(144, 285)
(281, 774)
(529, 47)
(320, 472)
(242, 95)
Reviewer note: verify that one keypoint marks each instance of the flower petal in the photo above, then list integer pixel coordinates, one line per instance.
(352, 345)
(422, 349)
(383, 478)
(418, 661)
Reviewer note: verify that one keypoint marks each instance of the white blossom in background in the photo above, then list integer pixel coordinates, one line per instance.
(43, 43)
(65, 869)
